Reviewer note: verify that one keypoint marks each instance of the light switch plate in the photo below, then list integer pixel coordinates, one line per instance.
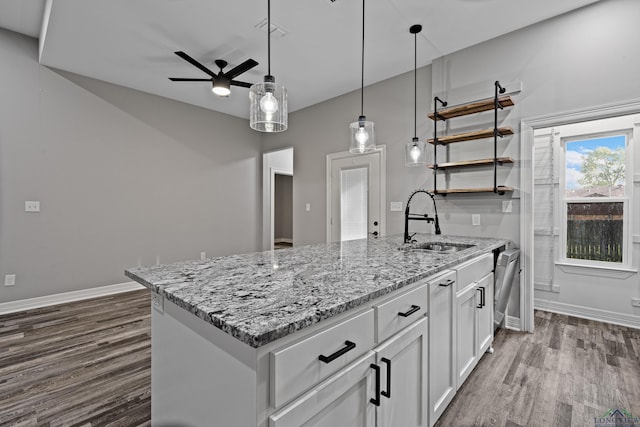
(396, 206)
(507, 206)
(307, 207)
(10, 280)
(32, 206)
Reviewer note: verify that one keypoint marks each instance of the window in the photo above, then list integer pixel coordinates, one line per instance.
(595, 192)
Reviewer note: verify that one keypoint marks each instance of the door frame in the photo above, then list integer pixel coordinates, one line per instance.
(382, 150)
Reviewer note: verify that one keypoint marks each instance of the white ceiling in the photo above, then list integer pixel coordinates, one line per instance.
(131, 42)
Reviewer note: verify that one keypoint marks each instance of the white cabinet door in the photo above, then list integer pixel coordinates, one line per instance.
(467, 332)
(442, 344)
(403, 363)
(485, 314)
(344, 399)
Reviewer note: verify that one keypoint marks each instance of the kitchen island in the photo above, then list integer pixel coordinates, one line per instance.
(228, 332)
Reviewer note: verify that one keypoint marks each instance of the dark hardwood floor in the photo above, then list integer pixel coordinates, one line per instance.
(565, 374)
(85, 363)
(88, 364)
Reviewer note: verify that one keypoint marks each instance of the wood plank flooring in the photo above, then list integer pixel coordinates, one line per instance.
(85, 363)
(565, 374)
(88, 364)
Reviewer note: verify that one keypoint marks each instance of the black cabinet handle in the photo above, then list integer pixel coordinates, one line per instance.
(482, 301)
(387, 393)
(448, 283)
(376, 400)
(328, 359)
(482, 296)
(412, 310)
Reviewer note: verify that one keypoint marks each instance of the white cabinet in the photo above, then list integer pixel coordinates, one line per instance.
(404, 379)
(442, 343)
(342, 400)
(475, 325)
(467, 339)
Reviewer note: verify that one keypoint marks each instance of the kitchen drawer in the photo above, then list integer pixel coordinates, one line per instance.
(398, 313)
(473, 270)
(298, 367)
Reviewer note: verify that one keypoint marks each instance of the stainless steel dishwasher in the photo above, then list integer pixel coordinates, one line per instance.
(506, 268)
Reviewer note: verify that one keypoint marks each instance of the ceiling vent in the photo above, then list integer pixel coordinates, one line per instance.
(276, 31)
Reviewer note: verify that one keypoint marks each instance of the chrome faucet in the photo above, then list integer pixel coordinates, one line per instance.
(419, 217)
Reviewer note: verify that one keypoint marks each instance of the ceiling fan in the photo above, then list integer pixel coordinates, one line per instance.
(221, 81)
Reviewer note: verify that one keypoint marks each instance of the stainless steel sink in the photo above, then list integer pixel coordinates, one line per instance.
(438, 247)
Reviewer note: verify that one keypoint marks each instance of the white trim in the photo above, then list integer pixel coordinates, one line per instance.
(512, 323)
(597, 271)
(65, 297)
(547, 287)
(382, 149)
(589, 313)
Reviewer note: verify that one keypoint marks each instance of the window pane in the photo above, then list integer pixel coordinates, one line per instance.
(594, 231)
(595, 167)
(353, 204)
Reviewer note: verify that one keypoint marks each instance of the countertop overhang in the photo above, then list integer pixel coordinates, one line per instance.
(263, 296)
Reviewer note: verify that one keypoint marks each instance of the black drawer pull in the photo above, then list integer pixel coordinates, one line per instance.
(448, 283)
(482, 301)
(482, 296)
(328, 359)
(387, 393)
(376, 400)
(412, 310)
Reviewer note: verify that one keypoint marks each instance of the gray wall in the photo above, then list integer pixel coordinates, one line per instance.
(123, 178)
(322, 129)
(283, 207)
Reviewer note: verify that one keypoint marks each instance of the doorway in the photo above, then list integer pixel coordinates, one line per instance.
(356, 186)
(283, 211)
(276, 166)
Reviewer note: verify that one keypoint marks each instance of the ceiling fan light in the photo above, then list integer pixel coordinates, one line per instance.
(221, 87)
(415, 153)
(268, 106)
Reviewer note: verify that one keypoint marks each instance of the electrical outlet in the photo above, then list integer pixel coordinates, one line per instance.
(307, 207)
(157, 301)
(203, 255)
(507, 206)
(10, 280)
(396, 206)
(475, 219)
(32, 206)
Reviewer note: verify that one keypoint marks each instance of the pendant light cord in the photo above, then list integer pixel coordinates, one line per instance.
(362, 74)
(269, 37)
(415, 85)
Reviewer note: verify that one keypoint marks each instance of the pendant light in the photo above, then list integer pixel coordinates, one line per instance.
(362, 133)
(415, 150)
(268, 100)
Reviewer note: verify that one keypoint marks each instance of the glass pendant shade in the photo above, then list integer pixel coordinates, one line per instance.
(415, 153)
(268, 106)
(362, 136)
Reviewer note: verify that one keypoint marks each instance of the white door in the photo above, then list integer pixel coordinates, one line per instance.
(403, 362)
(355, 195)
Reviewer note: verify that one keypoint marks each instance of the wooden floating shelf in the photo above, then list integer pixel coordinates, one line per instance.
(471, 163)
(501, 189)
(470, 136)
(472, 108)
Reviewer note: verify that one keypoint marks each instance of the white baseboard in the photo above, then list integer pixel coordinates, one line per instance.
(31, 303)
(512, 323)
(588, 313)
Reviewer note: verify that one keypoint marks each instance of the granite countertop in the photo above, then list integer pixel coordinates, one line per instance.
(262, 296)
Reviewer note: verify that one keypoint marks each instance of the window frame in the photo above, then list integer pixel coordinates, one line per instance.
(594, 129)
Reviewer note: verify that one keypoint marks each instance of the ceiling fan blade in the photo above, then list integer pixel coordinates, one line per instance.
(180, 79)
(195, 63)
(242, 84)
(245, 66)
